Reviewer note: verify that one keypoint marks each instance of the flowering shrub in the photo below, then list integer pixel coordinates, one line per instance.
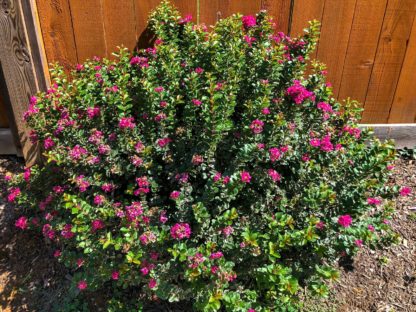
(208, 168)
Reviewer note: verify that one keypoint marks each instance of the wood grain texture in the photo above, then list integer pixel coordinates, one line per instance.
(391, 50)
(280, 11)
(119, 24)
(404, 103)
(303, 12)
(57, 32)
(142, 10)
(17, 77)
(335, 32)
(209, 11)
(245, 7)
(89, 31)
(362, 47)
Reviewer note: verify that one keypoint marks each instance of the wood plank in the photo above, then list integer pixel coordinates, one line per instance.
(36, 47)
(245, 7)
(142, 11)
(119, 24)
(303, 12)
(362, 47)
(404, 103)
(144, 8)
(335, 32)
(209, 11)
(57, 32)
(88, 24)
(389, 58)
(187, 7)
(17, 76)
(280, 11)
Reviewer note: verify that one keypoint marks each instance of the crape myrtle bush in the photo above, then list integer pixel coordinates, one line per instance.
(209, 168)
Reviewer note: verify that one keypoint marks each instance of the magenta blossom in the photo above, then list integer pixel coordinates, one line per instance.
(299, 93)
(152, 283)
(48, 143)
(245, 176)
(93, 112)
(67, 231)
(358, 243)
(14, 192)
(159, 89)
(216, 255)
(249, 21)
(21, 223)
(99, 200)
(185, 19)
(163, 142)
(257, 126)
(405, 191)
(175, 195)
(274, 154)
(274, 175)
(196, 102)
(115, 275)
(82, 285)
(97, 224)
(373, 201)
(180, 231)
(345, 221)
(126, 122)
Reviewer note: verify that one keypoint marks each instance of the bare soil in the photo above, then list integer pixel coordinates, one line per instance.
(377, 281)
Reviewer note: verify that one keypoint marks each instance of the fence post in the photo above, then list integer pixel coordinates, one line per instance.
(22, 66)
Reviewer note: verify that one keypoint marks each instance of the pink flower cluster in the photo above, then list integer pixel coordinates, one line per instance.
(299, 93)
(144, 186)
(245, 176)
(14, 192)
(257, 126)
(249, 21)
(180, 231)
(276, 153)
(126, 122)
(345, 221)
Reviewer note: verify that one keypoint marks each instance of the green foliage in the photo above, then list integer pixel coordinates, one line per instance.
(210, 168)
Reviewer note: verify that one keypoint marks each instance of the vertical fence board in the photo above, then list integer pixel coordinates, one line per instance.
(280, 11)
(362, 47)
(335, 32)
(209, 11)
(17, 74)
(303, 12)
(389, 59)
(404, 103)
(119, 24)
(187, 7)
(245, 7)
(142, 10)
(57, 32)
(87, 20)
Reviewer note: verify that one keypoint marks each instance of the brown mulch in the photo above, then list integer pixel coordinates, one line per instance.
(377, 281)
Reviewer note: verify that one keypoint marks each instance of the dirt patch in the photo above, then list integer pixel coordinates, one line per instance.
(32, 280)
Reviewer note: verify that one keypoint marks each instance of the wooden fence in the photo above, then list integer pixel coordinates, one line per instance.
(368, 45)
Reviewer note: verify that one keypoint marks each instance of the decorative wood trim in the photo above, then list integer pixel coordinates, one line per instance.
(22, 71)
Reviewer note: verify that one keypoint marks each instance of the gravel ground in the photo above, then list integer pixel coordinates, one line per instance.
(385, 280)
